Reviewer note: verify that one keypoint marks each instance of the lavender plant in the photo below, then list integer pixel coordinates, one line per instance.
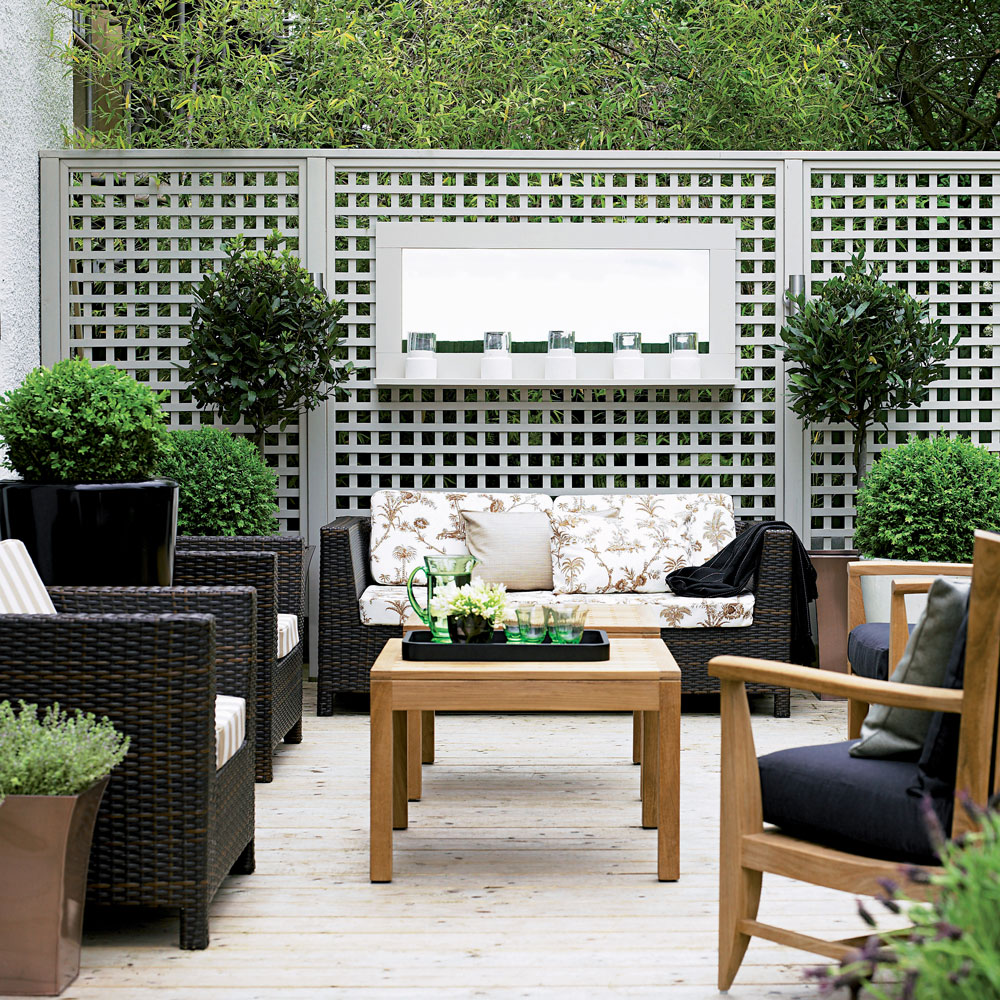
(952, 949)
(56, 754)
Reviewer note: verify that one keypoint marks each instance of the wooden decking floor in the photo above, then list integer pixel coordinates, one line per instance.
(524, 873)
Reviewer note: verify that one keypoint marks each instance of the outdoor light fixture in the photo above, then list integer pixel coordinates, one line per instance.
(627, 362)
(421, 359)
(684, 360)
(560, 362)
(497, 364)
(796, 286)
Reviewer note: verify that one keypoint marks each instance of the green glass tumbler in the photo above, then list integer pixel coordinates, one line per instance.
(531, 623)
(565, 622)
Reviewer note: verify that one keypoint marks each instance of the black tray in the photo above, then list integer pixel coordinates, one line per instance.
(592, 647)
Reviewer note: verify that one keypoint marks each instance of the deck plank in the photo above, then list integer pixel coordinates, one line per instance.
(524, 872)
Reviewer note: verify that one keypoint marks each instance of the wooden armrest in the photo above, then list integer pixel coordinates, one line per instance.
(906, 568)
(742, 668)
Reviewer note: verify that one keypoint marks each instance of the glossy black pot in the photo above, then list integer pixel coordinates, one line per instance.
(95, 534)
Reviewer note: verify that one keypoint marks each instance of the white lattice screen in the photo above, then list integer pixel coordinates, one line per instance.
(125, 234)
(564, 439)
(932, 226)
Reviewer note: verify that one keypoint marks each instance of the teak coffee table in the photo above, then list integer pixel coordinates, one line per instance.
(640, 676)
(635, 621)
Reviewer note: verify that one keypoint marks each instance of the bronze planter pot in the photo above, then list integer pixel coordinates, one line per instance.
(831, 605)
(44, 851)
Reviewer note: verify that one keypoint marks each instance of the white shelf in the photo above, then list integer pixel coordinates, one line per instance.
(478, 383)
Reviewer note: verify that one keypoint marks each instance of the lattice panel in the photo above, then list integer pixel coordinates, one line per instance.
(934, 232)
(560, 440)
(138, 241)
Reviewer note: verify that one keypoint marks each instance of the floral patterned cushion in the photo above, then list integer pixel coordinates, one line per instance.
(410, 524)
(389, 606)
(627, 504)
(631, 553)
(711, 525)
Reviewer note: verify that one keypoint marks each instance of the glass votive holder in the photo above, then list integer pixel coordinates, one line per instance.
(627, 363)
(496, 341)
(685, 362)
(560, 362)
(565, 622)
(421, 359)
(531, 622)
(497, 364)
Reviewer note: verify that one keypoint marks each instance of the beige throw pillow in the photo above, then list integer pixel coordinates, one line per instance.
(512, 548)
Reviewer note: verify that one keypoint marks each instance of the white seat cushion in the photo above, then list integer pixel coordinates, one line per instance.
(389, 606)
(408, 525)
(21, 589)
(230, 727)
(288, 634)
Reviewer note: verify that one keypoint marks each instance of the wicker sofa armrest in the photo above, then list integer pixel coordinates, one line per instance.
(234, 610)
(291, 567)
(345, 569)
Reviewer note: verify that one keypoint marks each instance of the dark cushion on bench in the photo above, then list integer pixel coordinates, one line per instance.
(823, 794)
(868, 650)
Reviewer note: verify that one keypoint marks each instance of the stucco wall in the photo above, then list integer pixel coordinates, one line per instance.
(36, 100)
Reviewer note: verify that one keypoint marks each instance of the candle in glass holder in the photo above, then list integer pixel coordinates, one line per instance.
(497, 364)
(628, 364)
(684, 360)
(560, 362)
(421, 359)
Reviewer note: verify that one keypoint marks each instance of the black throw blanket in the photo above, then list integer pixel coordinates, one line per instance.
(733, 570)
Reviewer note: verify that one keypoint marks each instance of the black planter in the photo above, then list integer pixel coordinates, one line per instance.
(469, 628)
(94, 534)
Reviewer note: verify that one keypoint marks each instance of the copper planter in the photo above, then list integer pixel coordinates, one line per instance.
(44, 852)
(831, 605)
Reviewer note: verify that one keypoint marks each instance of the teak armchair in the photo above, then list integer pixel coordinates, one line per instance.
(896, 631)
(747, 849)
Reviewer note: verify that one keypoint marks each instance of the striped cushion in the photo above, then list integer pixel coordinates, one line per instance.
(21, 589)
(230, 727)
(288, 634)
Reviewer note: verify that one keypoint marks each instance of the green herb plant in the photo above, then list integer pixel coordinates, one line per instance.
(80, 423)
(226, 488)
(263, 341)
(952, 949)
(862, 347)
(926, 498)
(56, 754)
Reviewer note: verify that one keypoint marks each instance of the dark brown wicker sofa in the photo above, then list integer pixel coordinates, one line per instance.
(347, 648)
(171, 826)
(275, 566)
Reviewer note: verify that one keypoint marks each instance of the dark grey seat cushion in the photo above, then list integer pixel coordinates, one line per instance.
(862, 805)
(868, 650)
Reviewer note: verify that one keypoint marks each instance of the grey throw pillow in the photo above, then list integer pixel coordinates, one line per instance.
(900, 732)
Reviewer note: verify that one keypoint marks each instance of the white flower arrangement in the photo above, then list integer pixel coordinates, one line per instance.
(488, 600)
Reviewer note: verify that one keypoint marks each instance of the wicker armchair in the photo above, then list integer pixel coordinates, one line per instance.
(275, 566)
(171, 826)
(347, 649)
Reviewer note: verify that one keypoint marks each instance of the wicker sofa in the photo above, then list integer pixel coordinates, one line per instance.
(275, 566)
(357, 614)
(172, 824)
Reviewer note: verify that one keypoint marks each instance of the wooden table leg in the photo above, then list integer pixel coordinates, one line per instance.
(427, 738)
(637, 737)
(399, 770)
(668, 863)
(380, 829)
(650, 767)
(414, 755)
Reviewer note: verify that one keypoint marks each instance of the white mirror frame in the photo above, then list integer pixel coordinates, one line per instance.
(391, 238)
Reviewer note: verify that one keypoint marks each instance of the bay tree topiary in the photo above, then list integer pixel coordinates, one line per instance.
(81, 423)
(264, 344)
(925, 499)
(859, 349)
(226, 487)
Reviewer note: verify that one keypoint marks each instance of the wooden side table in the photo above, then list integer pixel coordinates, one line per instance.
(640, 676)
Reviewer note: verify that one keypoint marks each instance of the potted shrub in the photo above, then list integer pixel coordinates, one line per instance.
(473, 610)
(861, 348)
(86, 441)
(53, 772)
(263, 343)
(225, 486)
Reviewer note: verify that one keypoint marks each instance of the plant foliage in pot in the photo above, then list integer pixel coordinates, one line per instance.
(861, 348)
(53, 772)
(472, 610)
(86, 441)
(263, 344)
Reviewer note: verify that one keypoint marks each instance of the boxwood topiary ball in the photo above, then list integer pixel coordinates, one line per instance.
(226, 487)
(925, 499)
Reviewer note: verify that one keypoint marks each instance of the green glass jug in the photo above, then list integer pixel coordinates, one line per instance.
(439, 570)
